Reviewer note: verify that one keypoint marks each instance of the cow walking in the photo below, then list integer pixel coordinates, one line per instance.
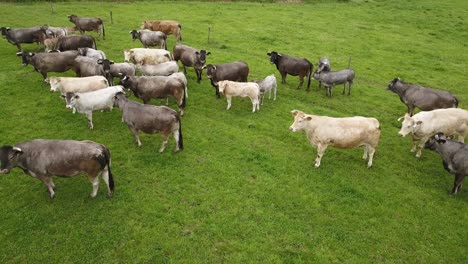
(291, 65)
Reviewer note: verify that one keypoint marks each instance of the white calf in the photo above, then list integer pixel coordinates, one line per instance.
(77, 84)
(240, 89)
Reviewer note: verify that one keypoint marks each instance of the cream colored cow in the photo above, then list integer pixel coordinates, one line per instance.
(240, 89)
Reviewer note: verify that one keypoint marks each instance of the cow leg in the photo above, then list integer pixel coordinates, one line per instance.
(49, 184)
(371, 151)
(283, 77)
(350, 85)
(165, 140)
(185, 70)
(255, 104)
(176, 137)
(105, 177)
(95, 182)
(301, 78)
(458, 183)
(420, 146)
(262, 97)
(89, 116)
(228, 98)
(320, 151)
(135, 134)
(366, 150)
(344, 88)
(410, 110)
(319, 85)
(199, 75)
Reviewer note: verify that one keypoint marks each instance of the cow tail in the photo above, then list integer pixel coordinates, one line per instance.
(165, 42)
(311, 68)
(94, 41)
(181, 138)
(180, 32)
(184, 99)
(455, 102)
(103, 31)
(108, 164)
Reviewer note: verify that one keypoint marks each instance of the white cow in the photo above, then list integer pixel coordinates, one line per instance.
(77, 84)
(86, 103)
(240, 89)
(267, 84)
(144, 56)
(344, 133)
(162, 69)
(426, 124)
(92, 53)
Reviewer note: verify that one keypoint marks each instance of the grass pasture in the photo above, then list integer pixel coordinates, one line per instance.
(244, 189)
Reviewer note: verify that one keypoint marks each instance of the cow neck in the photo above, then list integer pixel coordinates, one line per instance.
(399, 88)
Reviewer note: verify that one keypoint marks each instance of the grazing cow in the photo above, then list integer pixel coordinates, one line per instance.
(42, 159)
(329, 79)
(148, 87)
(291, 65)
(56, 32)
(16, 36)
(344, 133)
(454, 157)
(239, 89)
(77, 84)
(150, 38)
(88, 102)
(426, 99)
(75, 42)
(92, 53)
(168, 27)
(324, 65)
(267, 84)
(150, 119)
(191, 57)
(426, 124)
(162, 69)
(50, 44)
(45, 62)
(236, 71)
(88, 24)
(144, 56)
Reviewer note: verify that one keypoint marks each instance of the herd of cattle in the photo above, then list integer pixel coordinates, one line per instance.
(93, 89)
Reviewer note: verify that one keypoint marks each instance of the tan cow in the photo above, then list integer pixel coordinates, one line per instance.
(426, 124)
(168, 27)
(345, 133)
(77, 84)
(240, 89)
(143, 56)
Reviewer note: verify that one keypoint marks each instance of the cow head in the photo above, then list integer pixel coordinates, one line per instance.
(70, 99)
(144, 25)
(274, 57)
(435, 142)
(119, 98)
(128, 54)
(4, 31)
(316, 75)
(324, 64)
(210, 70)
(105, 65)
(82, 51)
(300, 120)
(135, 34)
(409, 125)
(201, 55)
(9, 158)
(391, 85)
(124, 80)
(221, 86)
(25, 56)
(55, 83)
(72, 18)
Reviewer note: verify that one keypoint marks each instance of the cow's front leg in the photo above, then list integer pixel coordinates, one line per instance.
(228, 98)
(89, 116)
(320, 151)
(301, 78)
(458, 183)
(135, 134)
(49, 184)
(164, 144)
(371, 151)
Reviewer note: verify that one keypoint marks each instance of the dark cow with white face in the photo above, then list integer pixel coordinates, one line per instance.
(43, 159)
(45, 62)
(191, 57)
(88, 24)
(291, 65)
(16, 36)
(236, 71)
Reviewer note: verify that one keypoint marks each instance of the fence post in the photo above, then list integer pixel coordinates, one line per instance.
(112, 19)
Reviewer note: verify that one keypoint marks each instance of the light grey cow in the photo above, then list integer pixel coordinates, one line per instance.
(150, 38)
(267, 84)
(329, 79)
(162, 69)
(92, 53)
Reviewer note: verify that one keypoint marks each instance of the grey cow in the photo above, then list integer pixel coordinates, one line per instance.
(45, 62)
(150, 119)
(150, 38)
(42, 159)
(88, 24)
(426, 99)
(454, 157)
(85, 66)
(16, 36)
(329, 79)
(191, 57)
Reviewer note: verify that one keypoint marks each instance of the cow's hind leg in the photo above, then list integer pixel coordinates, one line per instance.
(366, 151)
(89, 116)
(320, 151)
(371, 152)
(350, 85)
(105, 177)
(301, 81)
(135, 134)
(165, 140)
(229, 99)
(49, 184)
(95, 182)
(458, 183)
(176, 135)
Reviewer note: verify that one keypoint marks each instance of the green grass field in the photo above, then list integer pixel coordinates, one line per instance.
(244, 189)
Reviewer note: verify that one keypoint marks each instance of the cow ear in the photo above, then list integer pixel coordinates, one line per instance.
(111, 62)
(418, 123)
(294, 112)
(268, 53)
(99, 61)
(47, 80)
(15, 152)
(19, 53)
(31, 54)
(308, 118)
(400, 118)
(208, 53)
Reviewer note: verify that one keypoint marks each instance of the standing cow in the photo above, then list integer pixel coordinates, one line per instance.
(235, 71)
(291, 65)
(191, 57)
(267, 84)
(330, 79)
(150, 38)
(45, 62)
(144, 56)
(238, 89)
(344, 133)
(426, 99)
(16, 36)
(75, 42)
(168, 27)
(42, 159)
(88, 24)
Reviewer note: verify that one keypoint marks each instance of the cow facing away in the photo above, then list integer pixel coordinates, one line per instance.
(236, 71)
(168, 27)
(88, 24)
(191, 57)
(150, 119)
(45, 62)
(426, 124)
(267, 84)
(17, 36)
(238, 89)
(426, 99)
(454, 157)
(150, 38)
(344, 133)
(330, 79)
(43, 159)
(291, 65)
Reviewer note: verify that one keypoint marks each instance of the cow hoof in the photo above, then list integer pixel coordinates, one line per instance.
(317, 165)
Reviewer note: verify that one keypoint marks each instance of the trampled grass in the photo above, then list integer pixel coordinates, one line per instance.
(244, 189)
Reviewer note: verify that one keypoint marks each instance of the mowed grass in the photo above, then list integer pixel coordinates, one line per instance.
(244, 189)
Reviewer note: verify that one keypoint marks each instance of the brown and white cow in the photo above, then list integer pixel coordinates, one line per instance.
(344, 133)
(240, 89)
(426, 124)
(42, 159)
(168, 27)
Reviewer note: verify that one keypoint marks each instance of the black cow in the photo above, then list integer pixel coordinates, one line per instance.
(190, 57)
(291, 65)
(88, 24)
(235, 71)
(16, 36)
(426, 99)
(45, 62)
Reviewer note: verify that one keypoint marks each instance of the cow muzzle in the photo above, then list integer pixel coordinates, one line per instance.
(69, 106)
(24, 64)
(4, 171)
(292, 129)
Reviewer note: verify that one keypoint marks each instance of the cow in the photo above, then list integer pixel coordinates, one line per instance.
(426, 99)
(191, 57)
(182, 78)
(144, 56)
(50, 44)
(16, 36)
(150, 119)
(148, 87)
(88, 24)
(43, 158)
(240, 89)
(267, 84)
(324, 65)
(150, 38)
(75, 42)
(56, 32)
(85, 66)
(329, 79)
(236, 71)
(162, 69)
(168, 27)
(426, 124)
(45, 62)
(92, 53)
(88, 102)
(77, 84)
(344, 133)
(454, 157)
(120, 69)
(291, 65)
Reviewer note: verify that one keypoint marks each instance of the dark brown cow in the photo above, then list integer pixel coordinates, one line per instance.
(236, 71)
(75, 42)
(88, 24)
(291, 65)
(168, 27)
(191, 57)
(42, 159)
(45, 62)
